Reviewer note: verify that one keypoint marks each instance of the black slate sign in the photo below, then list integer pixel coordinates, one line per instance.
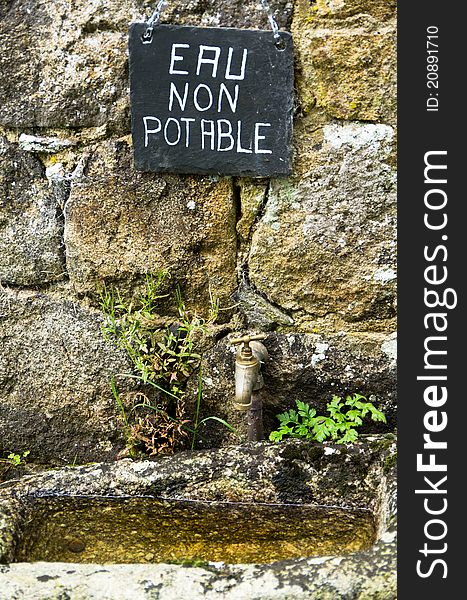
(211, 100)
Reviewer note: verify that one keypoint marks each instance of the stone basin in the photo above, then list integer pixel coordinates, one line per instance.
(259, 521)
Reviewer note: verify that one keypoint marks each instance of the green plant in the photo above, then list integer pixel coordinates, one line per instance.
(341, 424)
(165, 353)
(17, 460)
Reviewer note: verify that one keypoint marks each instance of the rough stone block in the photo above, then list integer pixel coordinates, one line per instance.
(120, 224)
(55, 370)
(346, 59)
(31, 245)
(324, 249)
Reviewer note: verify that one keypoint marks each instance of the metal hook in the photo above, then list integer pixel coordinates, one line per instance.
(152, 22)
(279, 42)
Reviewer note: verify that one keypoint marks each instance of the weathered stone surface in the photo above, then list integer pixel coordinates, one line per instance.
(368, 577)
(120, 224)
(48, 144)
(324, 249)
(378, 9)
(361, 475)
(55, 397)
(65, 65)
(252, 196)
(307, 367)
(346, 58)
(258, 312)
(31, 249)
(292, 471)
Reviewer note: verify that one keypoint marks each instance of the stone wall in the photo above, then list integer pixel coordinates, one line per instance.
(310, 258)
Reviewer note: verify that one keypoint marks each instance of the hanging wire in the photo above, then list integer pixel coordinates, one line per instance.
(153, 21)
(272, 21)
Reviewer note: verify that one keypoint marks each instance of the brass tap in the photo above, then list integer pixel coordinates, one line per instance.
(245, 355)
(248, 377)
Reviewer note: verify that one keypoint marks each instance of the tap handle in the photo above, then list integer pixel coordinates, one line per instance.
(246, 339)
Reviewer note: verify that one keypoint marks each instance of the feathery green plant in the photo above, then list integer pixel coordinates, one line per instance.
(341, 424)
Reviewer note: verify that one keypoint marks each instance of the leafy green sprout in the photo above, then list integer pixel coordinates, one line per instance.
(340, 426)
(16, 460)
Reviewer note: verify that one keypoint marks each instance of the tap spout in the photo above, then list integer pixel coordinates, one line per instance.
(246, 380)
(248, 377)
